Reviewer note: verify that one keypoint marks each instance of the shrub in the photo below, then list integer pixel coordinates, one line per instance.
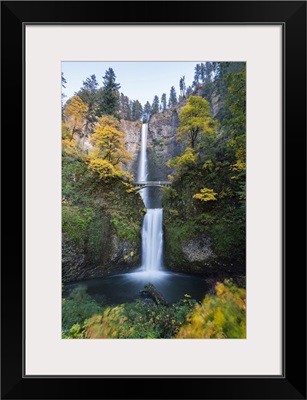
(220, 316)
(76, 309)
(139, 320)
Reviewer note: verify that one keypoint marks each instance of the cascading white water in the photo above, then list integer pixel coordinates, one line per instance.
(142, 167)
(152, 240)
(152, 232)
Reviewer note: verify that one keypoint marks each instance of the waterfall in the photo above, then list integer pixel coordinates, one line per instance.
(152, 240)
(142, 167)
(152, 232)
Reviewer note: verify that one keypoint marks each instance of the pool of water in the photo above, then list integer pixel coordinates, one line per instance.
(124, 288)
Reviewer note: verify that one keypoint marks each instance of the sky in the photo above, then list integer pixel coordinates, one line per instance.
(138, 80)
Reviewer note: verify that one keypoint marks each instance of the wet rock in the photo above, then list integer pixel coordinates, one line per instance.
(198, 249)
(150, 292)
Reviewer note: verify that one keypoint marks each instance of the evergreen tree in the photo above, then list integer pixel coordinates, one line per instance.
(182, 87)
(163, 101)
(89, 90)
(147, 112)
(64, 81)
(109, 95)
(189, 91)
(124, 107)
(197, 76)
(208, 84)
(172, 97)
(137, 110)
(202, 72)
(88, 94)
(221, 88)
(155, 105)
(63, 95)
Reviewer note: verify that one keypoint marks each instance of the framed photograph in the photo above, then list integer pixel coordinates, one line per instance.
(162, 158)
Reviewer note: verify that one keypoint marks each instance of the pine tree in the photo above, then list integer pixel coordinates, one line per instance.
(172, 97)
(197, 76)
(137, 110)
(124, 107)
(63, 95)
(147, 112)
(109, 95)
(202, 72)
(88, 94)
(163, 101)
(155, 105)
(182, 87)
(64, 81)
(189, 91)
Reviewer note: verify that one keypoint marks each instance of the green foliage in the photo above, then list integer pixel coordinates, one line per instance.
(75, 310)
(126, 229)
(108, 95)
(147, 111)
(218, 317)
(155, 105)
(163, 101)
(208, 190)
(124, 107)
(89, 95)
(185, 161)
(139, 320)
(228, 235)
(172, 97)
(97, 230)
(90, 203)
(137, 110)
(182, 87)
(75, 221)
(236, 123)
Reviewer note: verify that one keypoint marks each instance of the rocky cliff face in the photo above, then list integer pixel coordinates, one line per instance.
(112, 256)
(162, 144)
(189, 255)
(196, 255)
(132, 130)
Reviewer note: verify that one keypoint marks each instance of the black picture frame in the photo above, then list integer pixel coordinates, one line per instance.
(292, 16)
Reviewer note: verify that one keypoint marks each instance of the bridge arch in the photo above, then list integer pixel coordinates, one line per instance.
(142, 185)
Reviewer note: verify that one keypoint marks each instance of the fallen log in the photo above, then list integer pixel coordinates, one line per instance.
(151, 292)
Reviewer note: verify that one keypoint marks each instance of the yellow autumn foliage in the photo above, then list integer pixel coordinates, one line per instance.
(186, 160)
(195, 119)
(110, 325)
(206, 195)
(109, 152)
(69, 144)
(220, 316)
(74, 113)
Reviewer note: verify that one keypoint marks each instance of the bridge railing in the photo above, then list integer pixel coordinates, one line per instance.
(152, 183)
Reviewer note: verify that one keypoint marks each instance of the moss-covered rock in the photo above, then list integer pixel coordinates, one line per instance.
(101, 222)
